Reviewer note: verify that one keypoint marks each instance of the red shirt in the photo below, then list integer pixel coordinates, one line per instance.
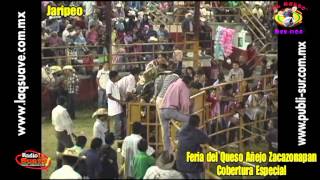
(92, 36)
(88, 62)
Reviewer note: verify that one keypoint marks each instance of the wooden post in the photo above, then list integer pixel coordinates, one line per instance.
(108, 40)
(240, 135)
(148, 123)
(196, 20)
(153, 51)
(266, 108)
(241, 126)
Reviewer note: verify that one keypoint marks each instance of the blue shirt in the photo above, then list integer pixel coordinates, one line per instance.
(189, 140)
(92, 163)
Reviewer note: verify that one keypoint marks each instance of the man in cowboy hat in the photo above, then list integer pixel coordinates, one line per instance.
(70, 157)
(164, 168)
(71, 87)
(54, 80)
(99, 128)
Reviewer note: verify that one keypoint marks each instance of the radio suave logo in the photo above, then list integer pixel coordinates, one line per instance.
(33, 160)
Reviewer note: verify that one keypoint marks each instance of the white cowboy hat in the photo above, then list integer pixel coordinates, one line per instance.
(68, 67)
(100, 111)
(71, 152)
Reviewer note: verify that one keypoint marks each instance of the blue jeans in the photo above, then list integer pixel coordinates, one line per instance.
(102, 100)
(115, 125)
(166, 115)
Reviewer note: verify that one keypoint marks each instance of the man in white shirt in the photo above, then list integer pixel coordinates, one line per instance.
(99, 128)
(114, 104)
(102, 79)
(70, 157)
(127, 84)
(130, 149)
(62, 124)
(67, 34)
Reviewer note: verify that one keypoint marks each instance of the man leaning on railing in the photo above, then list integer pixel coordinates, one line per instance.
(189, 140)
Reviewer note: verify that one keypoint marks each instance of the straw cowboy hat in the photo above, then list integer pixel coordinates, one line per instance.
(68, 67)
(55, 69)
(100, 111)
(71, 152)
(165, 161)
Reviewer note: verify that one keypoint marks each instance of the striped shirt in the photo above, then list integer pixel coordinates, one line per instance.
(166, 83)
(158, 84)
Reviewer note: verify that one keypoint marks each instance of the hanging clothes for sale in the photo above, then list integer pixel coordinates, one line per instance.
(223, 42)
